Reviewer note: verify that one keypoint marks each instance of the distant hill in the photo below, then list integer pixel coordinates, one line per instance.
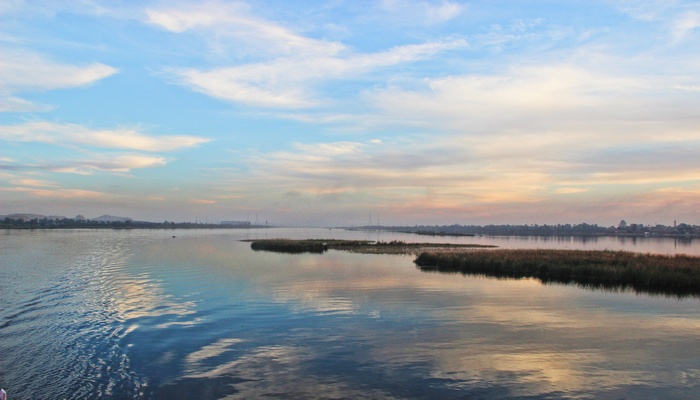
(110, 218)
(29, 217)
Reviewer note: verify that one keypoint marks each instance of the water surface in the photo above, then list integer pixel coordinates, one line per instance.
(143, 314)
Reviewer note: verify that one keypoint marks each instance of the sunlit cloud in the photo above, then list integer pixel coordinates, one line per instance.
(34, 183)
(570, 190)
(122, 163)
(544, 96)
(112, 163)
(73, 134)
(57, 193)
(156, 198)
(421, 108)
(202, 201)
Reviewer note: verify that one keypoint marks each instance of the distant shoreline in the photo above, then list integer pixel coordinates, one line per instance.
(695, 233)
(133, 226)
(188, 225)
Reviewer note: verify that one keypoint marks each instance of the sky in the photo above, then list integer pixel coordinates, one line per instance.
(337, 113)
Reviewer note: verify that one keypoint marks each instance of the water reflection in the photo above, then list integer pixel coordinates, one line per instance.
(591, 284)
(145, 315)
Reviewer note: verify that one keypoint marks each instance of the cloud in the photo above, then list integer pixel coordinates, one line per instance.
(677, 19)
(121, 163)
(549, 107)
(685, 24)
(108, 162)
(546, 90)
(34, 183)
(233, 22)
(15, 104)
(73, 134)
(285, 67)
(417, 173)
(423, 12)
(202, 201)
(288, 82)
(23, 70)
(517, 170)
(444, 12)
(570, 190)
(58, 193)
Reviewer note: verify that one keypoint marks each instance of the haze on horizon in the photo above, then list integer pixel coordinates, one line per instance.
(323, 112)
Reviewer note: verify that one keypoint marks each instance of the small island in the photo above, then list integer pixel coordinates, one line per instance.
(677, 275)
(356, 246)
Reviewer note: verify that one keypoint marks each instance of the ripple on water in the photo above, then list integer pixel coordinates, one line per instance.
(59, 337)
(144, 315)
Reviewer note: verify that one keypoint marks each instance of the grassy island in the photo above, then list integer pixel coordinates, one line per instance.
(653, 273)
(650, 273)
(357, 246)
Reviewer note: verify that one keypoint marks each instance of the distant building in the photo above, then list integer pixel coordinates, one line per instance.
(235, 223)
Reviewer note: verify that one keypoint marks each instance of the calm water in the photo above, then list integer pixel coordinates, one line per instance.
(143, 314)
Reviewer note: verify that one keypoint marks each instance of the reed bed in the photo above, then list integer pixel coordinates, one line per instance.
(303, 246)
(678, 274)
(355, 246)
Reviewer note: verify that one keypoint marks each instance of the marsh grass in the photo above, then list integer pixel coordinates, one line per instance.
(303, 246)
(355, 246)
(651, 273)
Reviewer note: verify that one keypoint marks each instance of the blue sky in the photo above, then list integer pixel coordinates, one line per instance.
(323, 112)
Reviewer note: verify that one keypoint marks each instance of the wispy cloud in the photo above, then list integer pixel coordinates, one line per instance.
(105, 162)
(34, 183)
(685, 24)
(73, 134)
(423, 12)
(422, 107)
(288, 66)
(289, 82)
(678, 19)
(202, 201)
(232, 21)
(118, 163)
(58, 193)
(15, 104)
(22, 71)
(25, 70)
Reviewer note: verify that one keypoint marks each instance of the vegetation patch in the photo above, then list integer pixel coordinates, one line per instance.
(356, 246)
(440, 233)
(303, 246)
(650, 273)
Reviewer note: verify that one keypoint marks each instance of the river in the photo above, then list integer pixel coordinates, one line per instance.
(184, 314)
